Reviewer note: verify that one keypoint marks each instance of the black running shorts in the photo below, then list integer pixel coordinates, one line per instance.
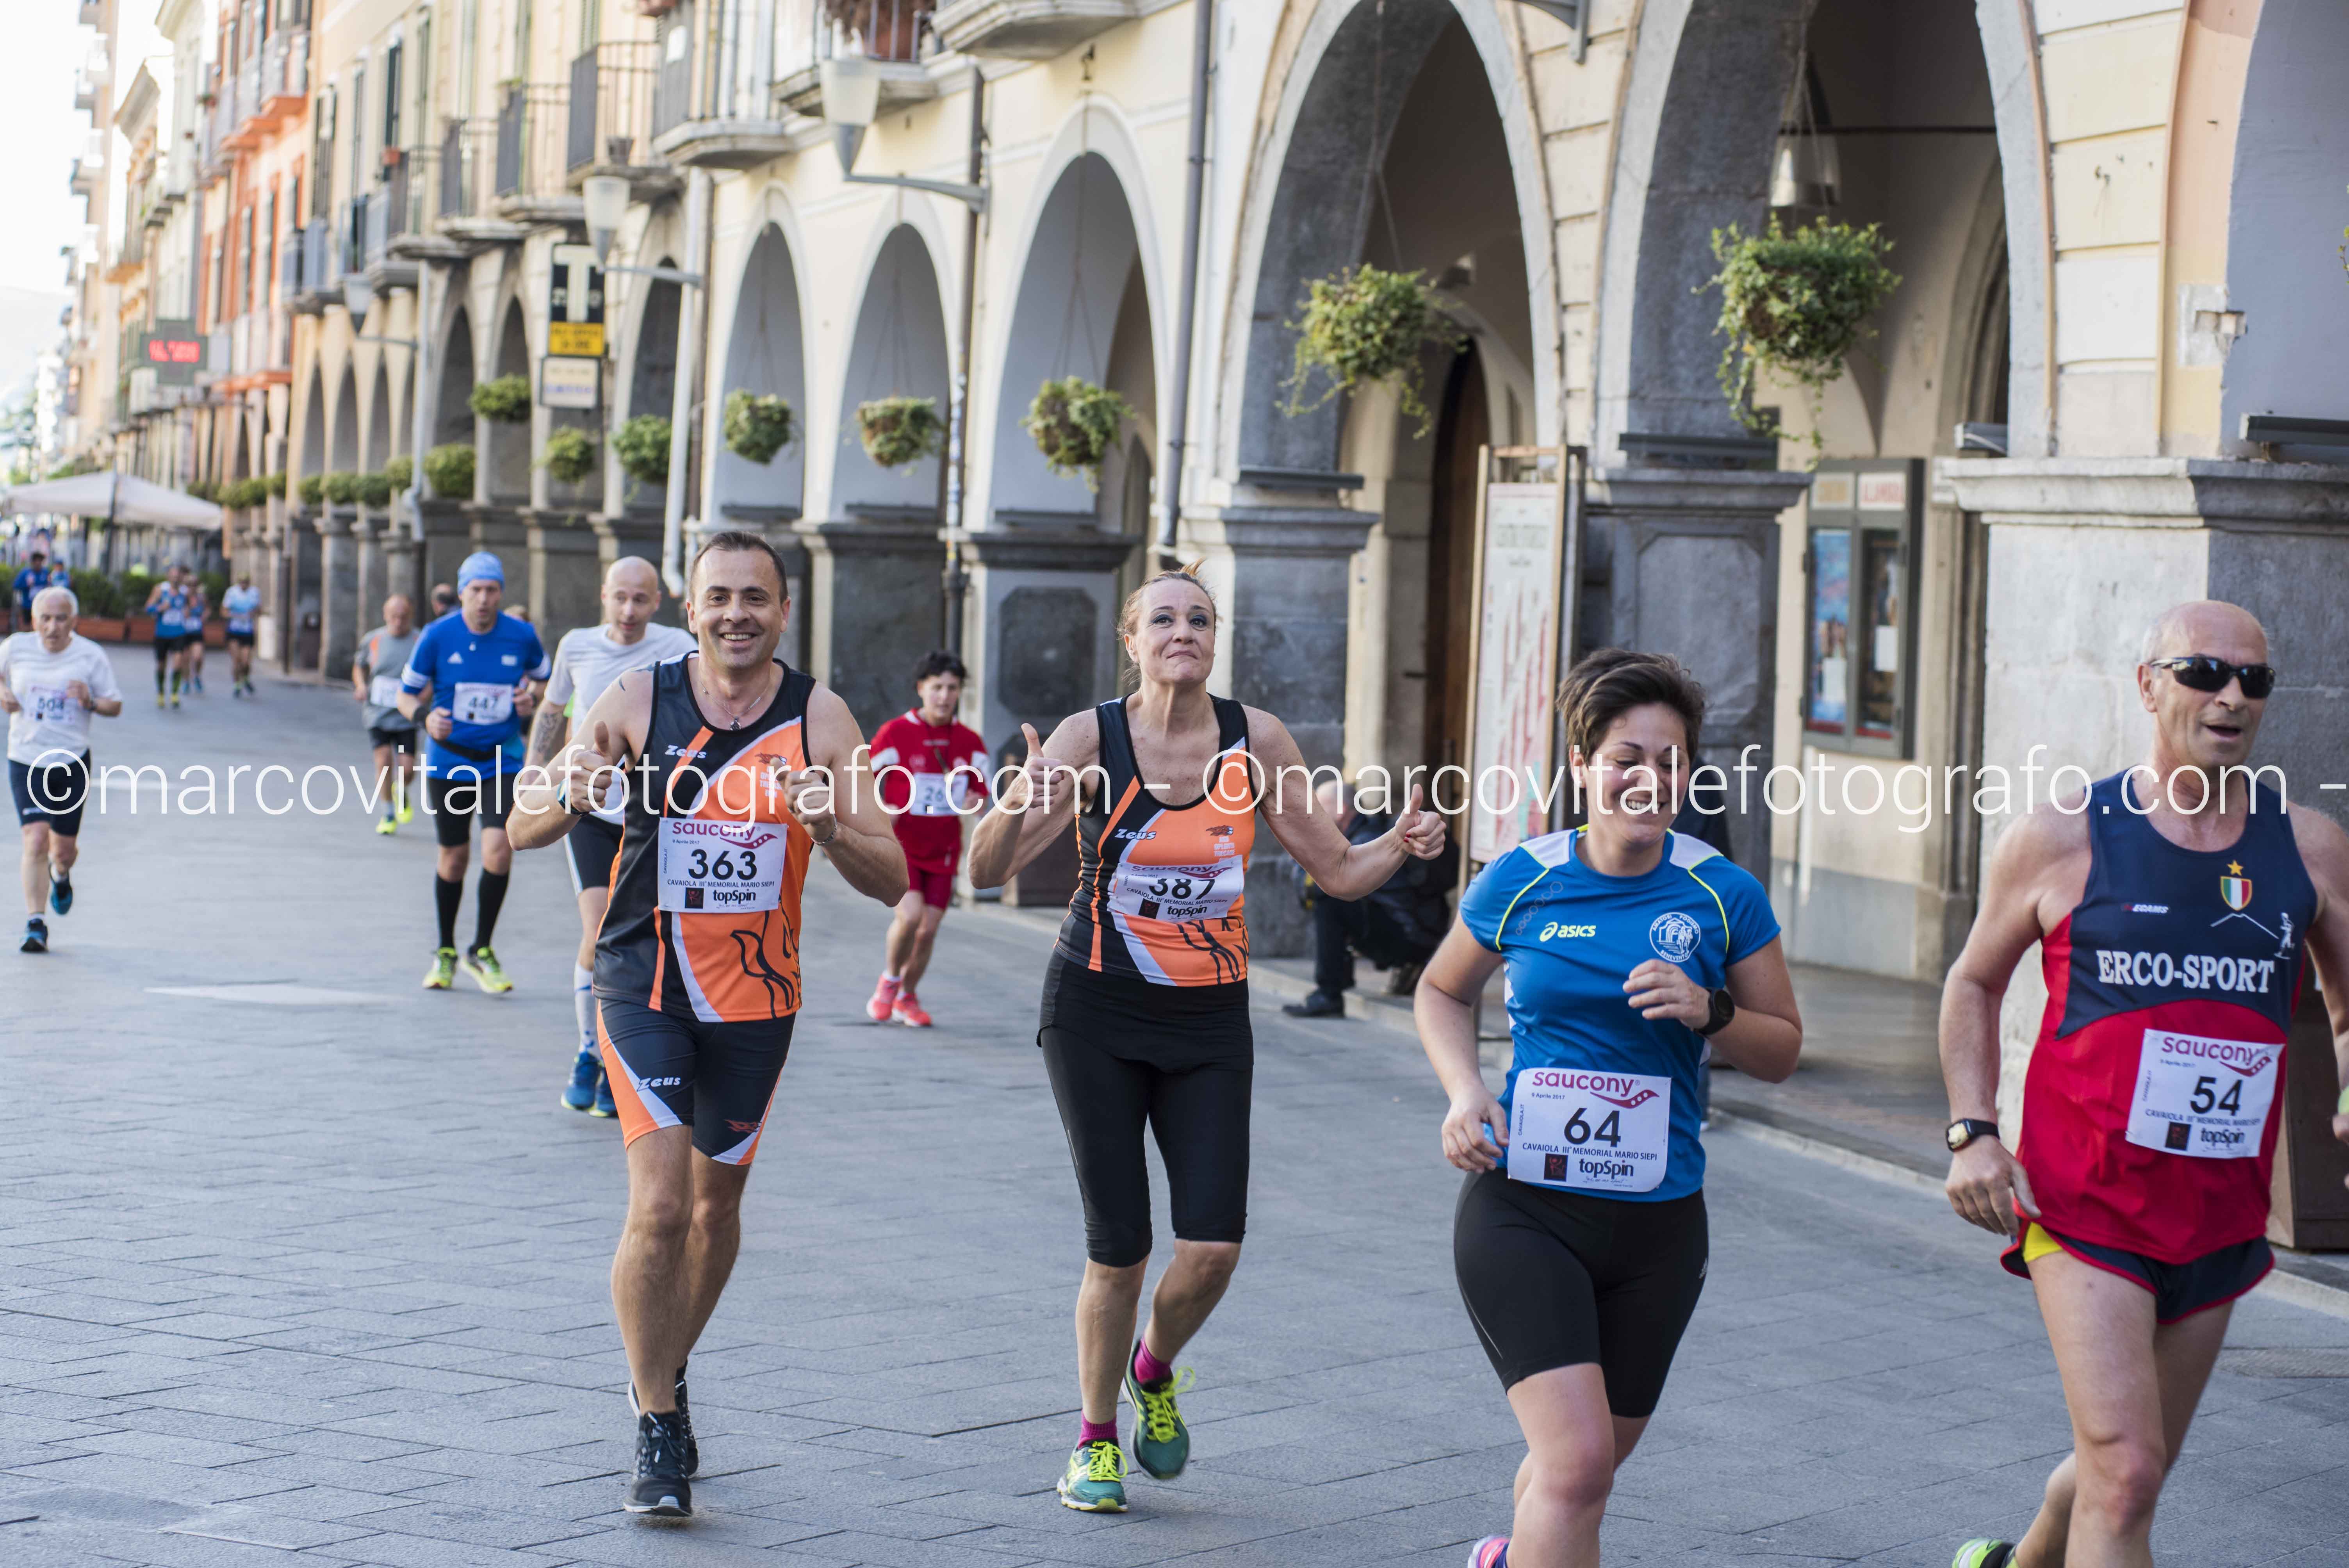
(716, 1078)
(1561, 1279)
(51, 792)
(591, 847)
(455, 804)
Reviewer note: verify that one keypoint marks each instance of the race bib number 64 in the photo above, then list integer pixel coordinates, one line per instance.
(1602, 1132)
(2203, 1097)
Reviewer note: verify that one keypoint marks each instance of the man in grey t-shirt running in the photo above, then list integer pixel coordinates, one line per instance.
(376, 668)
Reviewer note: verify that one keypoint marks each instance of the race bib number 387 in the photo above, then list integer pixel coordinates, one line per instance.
(1178, 893)
(1602, 1132)
(720, 868)
(2204, 1097)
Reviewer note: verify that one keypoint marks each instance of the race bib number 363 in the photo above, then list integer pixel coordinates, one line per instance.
(2204, 1097)
(721, 867)
(1601, 1132)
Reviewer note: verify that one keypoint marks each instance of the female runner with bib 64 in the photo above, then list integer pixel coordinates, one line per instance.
(1579, 1239)
(1145, 1013)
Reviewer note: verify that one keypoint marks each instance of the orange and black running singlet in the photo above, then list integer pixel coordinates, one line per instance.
(704, 920)
(1161, 889)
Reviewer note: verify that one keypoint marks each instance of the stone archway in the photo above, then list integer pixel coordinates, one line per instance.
(377, 449)
(765, 354)
(456, 422)
(898, 349)
(505, 454)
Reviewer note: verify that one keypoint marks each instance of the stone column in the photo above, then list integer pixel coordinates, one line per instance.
(1690, 558)
(2084, 553)
(1278, 565)
(402, 559)
(298, 648)
(563, 576)
(368, 532)
(501, 530)
(338, 583)
(871, 608)
(1042, 632)
(448, 540)
(269, 576)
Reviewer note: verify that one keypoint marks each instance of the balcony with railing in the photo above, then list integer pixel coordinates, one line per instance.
(240, 98)
(282, 88)
(467, 179)
(893, 34)
(312, 279)
(532, 176)
(609, 123)
(714, 103)
(1028, 29)
(391, 213)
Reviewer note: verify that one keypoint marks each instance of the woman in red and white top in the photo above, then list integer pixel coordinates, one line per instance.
(932, 773)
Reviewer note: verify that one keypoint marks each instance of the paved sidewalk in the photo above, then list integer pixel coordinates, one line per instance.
(304, 1264)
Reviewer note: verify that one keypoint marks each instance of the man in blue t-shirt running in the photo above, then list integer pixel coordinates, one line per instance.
(473, 678)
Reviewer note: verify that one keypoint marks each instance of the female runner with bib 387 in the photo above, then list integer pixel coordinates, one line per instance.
(1145, 1013)
(1580, 1238)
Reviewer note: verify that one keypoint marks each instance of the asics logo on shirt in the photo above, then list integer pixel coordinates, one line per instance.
(2190, 972)
(1556, 929)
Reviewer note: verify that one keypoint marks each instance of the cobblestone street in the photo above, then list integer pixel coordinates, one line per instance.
(302, 1262)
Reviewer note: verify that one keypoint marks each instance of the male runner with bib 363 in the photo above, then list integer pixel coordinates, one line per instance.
(1580, 1238)
(2176, 904)
(586, 661)
(738, 768)
(1145, 1016)
(929, 769)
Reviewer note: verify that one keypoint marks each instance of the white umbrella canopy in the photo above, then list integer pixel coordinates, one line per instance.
(116, 497)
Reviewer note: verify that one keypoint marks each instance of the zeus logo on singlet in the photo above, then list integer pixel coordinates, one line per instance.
(2192, 972)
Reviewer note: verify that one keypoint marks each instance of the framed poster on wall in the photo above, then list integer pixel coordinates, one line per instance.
(1522, 551)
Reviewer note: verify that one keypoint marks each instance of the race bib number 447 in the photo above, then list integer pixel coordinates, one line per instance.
(481, 702)
(1601, 1132)
(2204, 1097)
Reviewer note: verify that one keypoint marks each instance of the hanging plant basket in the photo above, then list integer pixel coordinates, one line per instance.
(449, 470)
(570, 455)
(1367, 325)
(1795, 304)
(342, 489)
(642, 446)
(505, 400)
(374, 490)
(313, 488)
(899, 432)
(1075, 423)
(758, 425)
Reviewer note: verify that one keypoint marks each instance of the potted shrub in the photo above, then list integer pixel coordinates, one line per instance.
(312, 489)
(899, 432)
(203, 490)
(1367, 325)
(569, 455)
(274, 486)
(1795, 304)
(1074, 423)
(642, 446)
(506, 399)
(101, 605)
(400, 472)
(449, 470)
(374, 490)
(758, 425)
(342, 488)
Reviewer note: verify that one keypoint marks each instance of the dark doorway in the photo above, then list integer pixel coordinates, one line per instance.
(1463, 427)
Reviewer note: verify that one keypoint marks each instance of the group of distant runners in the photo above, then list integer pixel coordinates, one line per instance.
(692, 775)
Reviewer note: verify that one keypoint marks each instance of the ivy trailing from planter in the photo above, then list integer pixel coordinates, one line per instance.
(506, 399)
(758, 425)
(899, 432)
(312, 489)
(642, 446)
(449, 469)
(1368, 325)
(342, 488)
(569, 455)
(1793, 304)
(1075, 423)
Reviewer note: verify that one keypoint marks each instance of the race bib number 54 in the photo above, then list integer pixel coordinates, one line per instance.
(2204, 1097)
(1601, 1132)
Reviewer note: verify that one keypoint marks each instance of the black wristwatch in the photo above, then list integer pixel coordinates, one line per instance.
(1966, 1129)
(1723, 1008)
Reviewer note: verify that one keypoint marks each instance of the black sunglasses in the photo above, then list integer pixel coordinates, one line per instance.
(2202, 672)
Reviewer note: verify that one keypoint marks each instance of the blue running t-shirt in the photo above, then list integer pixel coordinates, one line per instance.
(1570, 936)
(472, 676)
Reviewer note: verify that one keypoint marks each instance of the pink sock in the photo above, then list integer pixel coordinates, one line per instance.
(1095, 1431)
(1148, 1369)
